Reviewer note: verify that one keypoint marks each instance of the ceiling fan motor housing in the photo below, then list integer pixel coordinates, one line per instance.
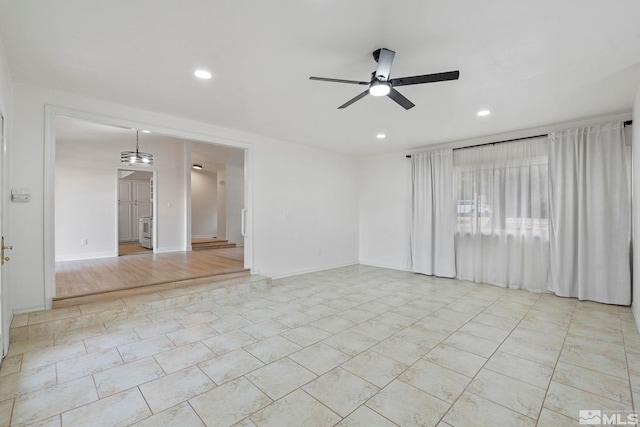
(376, 54)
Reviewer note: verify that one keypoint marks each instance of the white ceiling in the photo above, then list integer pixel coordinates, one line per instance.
(531, 63)
(212, 157)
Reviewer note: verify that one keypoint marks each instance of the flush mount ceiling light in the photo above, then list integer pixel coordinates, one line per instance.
(202, 74)
(136, 158)
(381, 136)
(483, 113)
(197, 166)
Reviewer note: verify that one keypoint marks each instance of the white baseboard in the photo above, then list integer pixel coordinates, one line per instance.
(170, 249)
(92, 255)
(313, 270)
(28, 309)
(203, 236)
(390, 267)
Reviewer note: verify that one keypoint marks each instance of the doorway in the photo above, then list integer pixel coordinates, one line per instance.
(135, 212)
(171, 212)
(217, 200)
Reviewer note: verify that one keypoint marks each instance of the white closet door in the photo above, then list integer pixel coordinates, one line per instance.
(142, 191)
(142, 203)
(126, 227)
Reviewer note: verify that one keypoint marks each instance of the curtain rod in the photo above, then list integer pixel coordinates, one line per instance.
(408, 156)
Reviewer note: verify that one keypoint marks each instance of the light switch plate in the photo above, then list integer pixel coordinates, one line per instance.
(20, 195)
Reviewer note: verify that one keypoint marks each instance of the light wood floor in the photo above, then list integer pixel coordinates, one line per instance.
(86, 277)
(132, 248)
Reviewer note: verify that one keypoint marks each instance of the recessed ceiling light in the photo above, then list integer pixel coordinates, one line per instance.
(202, 74)
(145, 131)
(381, 136)
(483, 113)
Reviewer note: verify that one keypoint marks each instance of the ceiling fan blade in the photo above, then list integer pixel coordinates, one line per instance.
(400, 99)
(427, 78)
(324, 79)
(357, 98)
(385, 59)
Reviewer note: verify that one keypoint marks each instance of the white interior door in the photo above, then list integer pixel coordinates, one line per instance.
(143, 205)
(125, 212)
(5, 312)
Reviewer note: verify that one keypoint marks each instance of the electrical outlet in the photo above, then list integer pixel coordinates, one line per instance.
(318, 251)
(84, 242)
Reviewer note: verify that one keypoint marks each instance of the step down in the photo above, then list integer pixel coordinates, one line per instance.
(48, 323)
(203, 246)
(199, 244)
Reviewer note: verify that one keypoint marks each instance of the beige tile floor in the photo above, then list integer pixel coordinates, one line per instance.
(354, 346)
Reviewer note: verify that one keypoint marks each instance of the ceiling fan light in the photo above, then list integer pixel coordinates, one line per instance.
(379, 88)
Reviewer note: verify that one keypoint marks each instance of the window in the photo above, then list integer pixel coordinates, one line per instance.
(502, 189)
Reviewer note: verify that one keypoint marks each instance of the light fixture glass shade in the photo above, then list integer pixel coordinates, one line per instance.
(380, 88)
(136, 158)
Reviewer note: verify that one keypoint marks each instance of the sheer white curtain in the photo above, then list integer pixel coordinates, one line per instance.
(590, 214)
(433, 214)
(502, 233)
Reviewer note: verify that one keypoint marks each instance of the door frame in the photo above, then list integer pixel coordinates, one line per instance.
(154, 205)
(6, 310)
(52, 112)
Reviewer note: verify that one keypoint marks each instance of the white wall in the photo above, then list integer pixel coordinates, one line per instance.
(234, 193)
(222, 204)
(385, 198)
(5, 81)
(305, 202)
(204, 203)
(86, 194)
(635, 219)
(170, 189)
(84, 203)
(318, 188)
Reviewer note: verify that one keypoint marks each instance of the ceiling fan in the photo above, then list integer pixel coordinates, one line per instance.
(381, 84)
